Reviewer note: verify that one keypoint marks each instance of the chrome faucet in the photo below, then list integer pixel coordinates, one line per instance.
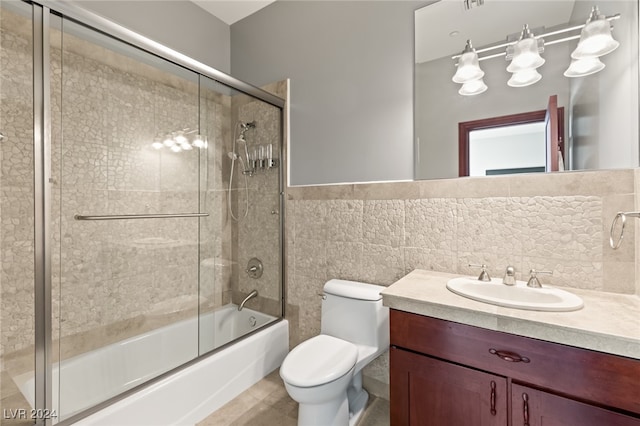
(484, 275)
(509, 276)
(251, 295)
(534, 282)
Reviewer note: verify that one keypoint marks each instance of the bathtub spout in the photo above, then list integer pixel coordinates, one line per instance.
(251, 295)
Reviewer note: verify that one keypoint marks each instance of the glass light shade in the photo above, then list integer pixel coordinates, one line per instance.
(186, 146)
(583, 67)
(176, 148)
(473, 88)
(157, 145)
(595, 40)
(525, 56)
(524, 78)
(168, 142)
(468, 68)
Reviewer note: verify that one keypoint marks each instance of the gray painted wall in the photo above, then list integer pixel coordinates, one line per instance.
(180, 25)
(351, 70)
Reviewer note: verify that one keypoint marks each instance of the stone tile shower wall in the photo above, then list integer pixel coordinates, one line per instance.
(377, 233)
(16, 183)
(111, 279)
(115, 270)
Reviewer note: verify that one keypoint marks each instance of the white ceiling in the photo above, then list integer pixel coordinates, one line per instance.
(231, 11)
(484, 25)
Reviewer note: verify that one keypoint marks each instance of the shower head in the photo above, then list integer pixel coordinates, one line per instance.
(248, 125)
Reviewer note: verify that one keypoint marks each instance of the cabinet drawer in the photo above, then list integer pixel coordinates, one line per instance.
(596, 377)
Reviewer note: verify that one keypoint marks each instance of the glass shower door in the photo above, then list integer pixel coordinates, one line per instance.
(241, 239)
(129, 218)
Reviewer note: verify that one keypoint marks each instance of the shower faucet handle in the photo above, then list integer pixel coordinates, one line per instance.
(254, 268)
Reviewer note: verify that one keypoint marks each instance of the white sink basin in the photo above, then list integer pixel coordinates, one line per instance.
(518, 296)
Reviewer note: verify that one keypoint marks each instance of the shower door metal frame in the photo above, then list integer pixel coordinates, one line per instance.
(42, 11)
(42, 214)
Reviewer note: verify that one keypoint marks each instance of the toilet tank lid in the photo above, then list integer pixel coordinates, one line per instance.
(353, 289)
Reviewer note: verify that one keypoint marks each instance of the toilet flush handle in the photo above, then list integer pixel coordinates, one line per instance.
(324, 296)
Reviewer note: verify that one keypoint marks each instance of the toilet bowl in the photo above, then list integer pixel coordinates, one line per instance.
(324, 373)
(316, 374)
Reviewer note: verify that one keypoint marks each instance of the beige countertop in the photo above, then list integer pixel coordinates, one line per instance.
(608, 322)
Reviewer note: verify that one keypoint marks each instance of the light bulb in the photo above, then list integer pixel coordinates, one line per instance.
(176, 148)
(157, 145)
(186, 146)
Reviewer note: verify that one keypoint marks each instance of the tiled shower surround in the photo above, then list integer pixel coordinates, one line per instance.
(116, 279)
(379, 232)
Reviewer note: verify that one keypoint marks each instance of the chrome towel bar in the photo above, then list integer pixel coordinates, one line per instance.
(615, 244)
(138, 216)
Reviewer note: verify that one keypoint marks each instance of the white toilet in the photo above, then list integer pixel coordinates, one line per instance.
(324, 373)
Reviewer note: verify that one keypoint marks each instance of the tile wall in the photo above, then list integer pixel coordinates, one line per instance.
(379, 232)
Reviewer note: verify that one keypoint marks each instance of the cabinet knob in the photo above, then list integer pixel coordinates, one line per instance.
(509, 356)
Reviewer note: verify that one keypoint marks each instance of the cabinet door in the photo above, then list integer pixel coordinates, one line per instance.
(428, 392)
(531, 407)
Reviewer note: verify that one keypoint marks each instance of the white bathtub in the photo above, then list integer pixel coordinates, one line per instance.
(183, 398)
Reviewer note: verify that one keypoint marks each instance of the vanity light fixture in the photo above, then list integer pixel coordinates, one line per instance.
(468, 66)
(525, 59)
(524, 51)
(525, 54)
(595, 37)
(469, 73)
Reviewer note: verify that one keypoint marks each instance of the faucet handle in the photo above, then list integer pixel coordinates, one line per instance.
(509, 276)
(484, 275)
(533, 279)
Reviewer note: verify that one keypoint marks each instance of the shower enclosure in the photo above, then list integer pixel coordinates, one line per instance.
(115, 222)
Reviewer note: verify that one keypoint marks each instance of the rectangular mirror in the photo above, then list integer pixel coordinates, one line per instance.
(596, 126)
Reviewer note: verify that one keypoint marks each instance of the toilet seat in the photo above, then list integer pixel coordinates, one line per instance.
(319, 360)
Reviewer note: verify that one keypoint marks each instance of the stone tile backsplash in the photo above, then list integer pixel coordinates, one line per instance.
(357, 236)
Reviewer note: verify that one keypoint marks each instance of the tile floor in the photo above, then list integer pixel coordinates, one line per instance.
(267, 404)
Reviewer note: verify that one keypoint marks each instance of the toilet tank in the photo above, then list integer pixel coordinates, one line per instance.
(353, 311)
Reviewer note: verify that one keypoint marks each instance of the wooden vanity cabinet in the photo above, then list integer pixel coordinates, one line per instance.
(451, 374)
